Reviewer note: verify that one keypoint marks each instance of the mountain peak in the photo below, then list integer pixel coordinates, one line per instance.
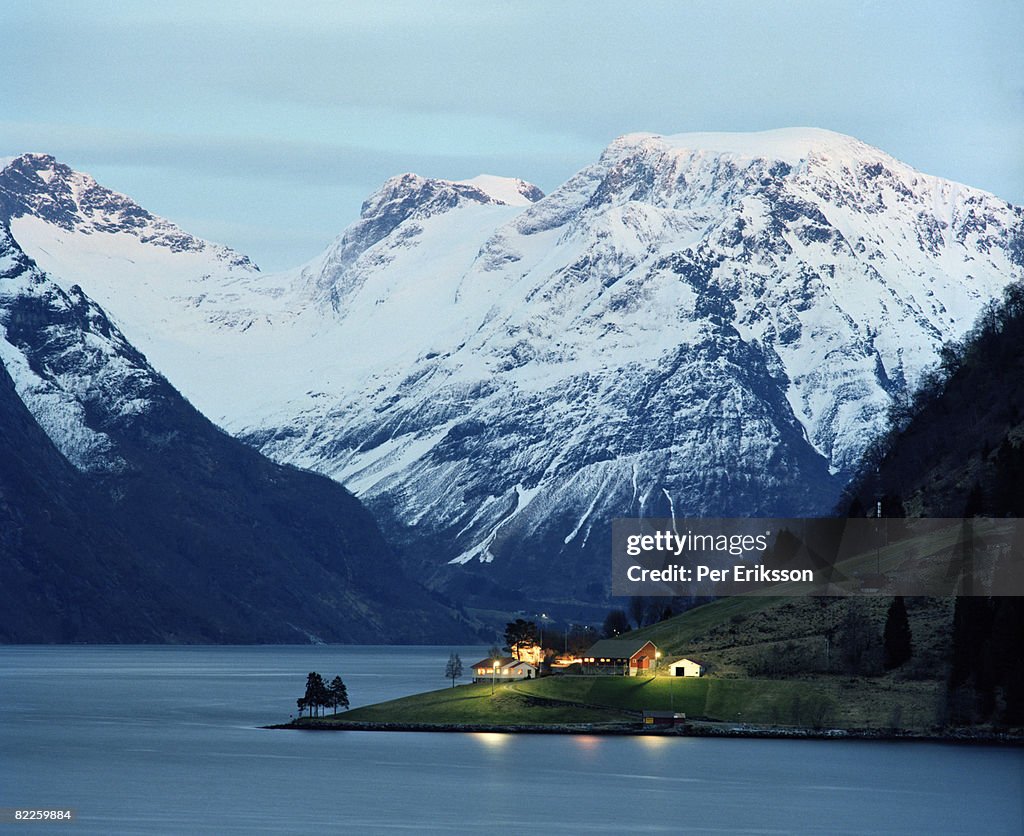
(37, 185)
(405, 201)
(407, 195)
(508, 190)
(789, 145)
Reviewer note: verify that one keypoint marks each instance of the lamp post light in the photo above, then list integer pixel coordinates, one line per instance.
(494, 675)
(657, 656)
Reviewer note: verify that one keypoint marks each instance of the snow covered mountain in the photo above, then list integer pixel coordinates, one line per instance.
(702, 324)
(167, 290)
(125, 515)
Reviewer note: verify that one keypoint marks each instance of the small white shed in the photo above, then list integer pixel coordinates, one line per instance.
(686, 667)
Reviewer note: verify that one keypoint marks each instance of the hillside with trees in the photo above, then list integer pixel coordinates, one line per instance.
(956, 450)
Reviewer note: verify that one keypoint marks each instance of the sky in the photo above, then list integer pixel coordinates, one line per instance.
(264, 126)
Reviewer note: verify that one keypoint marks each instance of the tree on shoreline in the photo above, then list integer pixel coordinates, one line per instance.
(316, 696)
(319, 695)
(453, 670)
(338, 694)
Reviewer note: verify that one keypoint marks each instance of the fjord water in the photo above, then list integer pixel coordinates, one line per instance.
(167, 740)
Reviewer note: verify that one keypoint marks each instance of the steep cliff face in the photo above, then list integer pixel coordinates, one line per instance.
(702, 324)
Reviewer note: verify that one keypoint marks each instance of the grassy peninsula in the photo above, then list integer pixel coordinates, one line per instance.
(612, 701)
(790, 667)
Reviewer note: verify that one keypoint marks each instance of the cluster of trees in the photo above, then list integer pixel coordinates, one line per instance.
(986, 679)
(965, 423)
(963, 419)
(321, 695)
(861, 650)
(852, 646)
(642, 611)
(573, 638)
(522, 635)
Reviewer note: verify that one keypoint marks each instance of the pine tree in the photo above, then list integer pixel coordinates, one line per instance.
(317, 695)
(972, 669)
(338, 694)
(858, 640)
(896, 637)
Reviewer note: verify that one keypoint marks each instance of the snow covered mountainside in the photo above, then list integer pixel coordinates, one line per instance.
(126, 516)
(167, 290)
(702, 324)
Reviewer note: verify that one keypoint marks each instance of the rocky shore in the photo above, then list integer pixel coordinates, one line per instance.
(691, 729)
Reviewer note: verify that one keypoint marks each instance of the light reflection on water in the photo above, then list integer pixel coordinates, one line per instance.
(586, 742)
(490, 740)
(166, 740)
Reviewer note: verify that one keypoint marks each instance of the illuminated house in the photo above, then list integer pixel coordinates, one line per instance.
(687, 667)
(620, 656)
(534, 655)
(503, 669)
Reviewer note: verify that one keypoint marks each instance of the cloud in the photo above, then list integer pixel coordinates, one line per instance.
(297, 162)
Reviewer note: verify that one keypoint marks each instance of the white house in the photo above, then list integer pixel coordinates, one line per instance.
(686, 667)
(503, 669)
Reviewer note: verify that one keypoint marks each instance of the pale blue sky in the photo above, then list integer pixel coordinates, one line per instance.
(265, 126)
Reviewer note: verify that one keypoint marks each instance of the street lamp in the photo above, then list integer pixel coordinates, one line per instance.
(657, 656)
(494, 675)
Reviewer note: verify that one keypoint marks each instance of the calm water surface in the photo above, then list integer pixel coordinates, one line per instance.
(166, 740)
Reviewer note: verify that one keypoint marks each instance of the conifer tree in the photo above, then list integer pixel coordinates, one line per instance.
(338, 694)
(896, 638)
(316, 695)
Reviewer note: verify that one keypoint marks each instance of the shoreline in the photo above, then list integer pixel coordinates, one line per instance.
(691, 729)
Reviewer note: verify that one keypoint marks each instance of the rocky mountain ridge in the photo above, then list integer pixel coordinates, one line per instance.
(703, 324)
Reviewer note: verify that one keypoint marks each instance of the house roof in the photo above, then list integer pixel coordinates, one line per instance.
(503, 662)
(617, 648)
(523, 663)
(686, 659)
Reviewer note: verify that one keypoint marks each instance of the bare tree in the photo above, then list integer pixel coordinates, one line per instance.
(453, 670)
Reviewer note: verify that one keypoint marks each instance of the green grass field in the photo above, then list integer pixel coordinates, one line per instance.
(475, 704)
(824, 702)
(716, 699)
(732, 636)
